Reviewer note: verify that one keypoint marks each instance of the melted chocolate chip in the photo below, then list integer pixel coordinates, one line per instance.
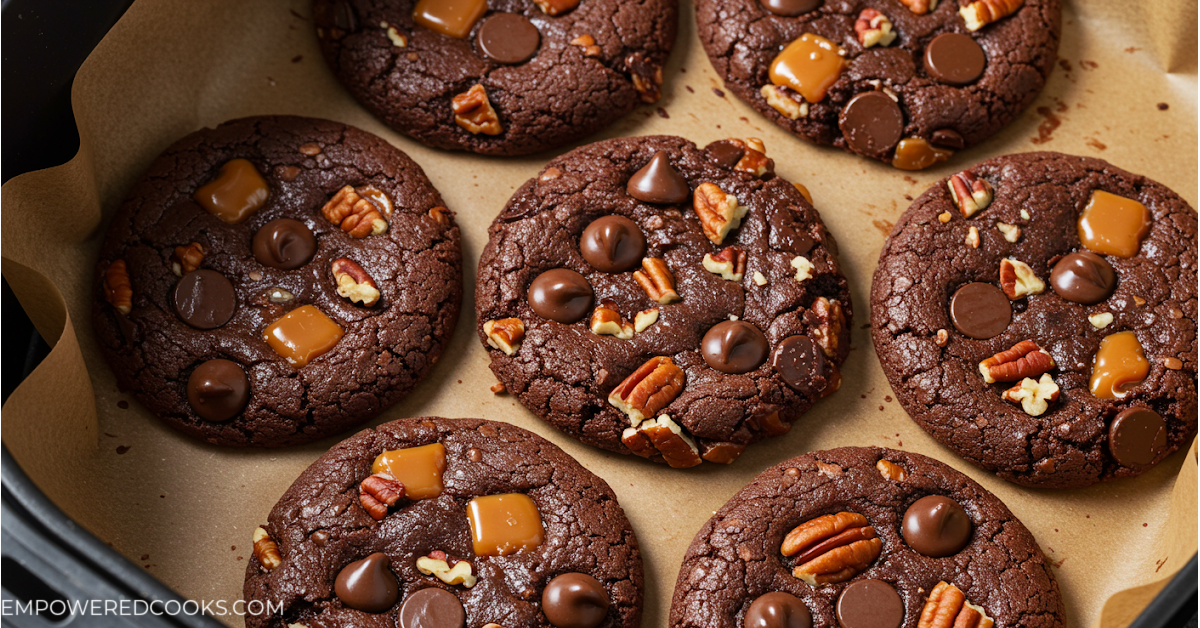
(1137, 436)
(508, 38)
(613, 244)
(432, 608)
(980, 310)
(870, 604)
(790, 8)
(948, 138)
(872, 124)
(936, 526)
(284, 243)
(658, 182)
(575, 600)
(1083, 277)
(786, 238)
(218, 390)
(799, 361)
(777, 610)
(344, 16)
(560, 295)
(204, 299)
(725, 153)
(954, 59)
(368, 585)
(734, 347)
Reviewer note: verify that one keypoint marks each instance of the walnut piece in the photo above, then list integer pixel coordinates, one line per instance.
(353, 282)
(874, 29)
(356, 214)
(1035, 396)
(803, 267)
(450, 570)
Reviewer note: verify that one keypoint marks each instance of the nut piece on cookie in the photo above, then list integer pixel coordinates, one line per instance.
(786, 101)
(721, 453)
(803, 267)
(1018, 280)
(920, 7)
(450, 570)
(719, 212)
(664, 437)
(588, 43)
(729, 263)
(652, 387)
(505, 334)
(948, 607)
(656, 279)
(607, 321)
(265, 549)
(891, 471)
(1035, 396)
(379, 492)
(556, 7)
(754, 159)
(117, 289)
(980, 13)
(473, 112)
(353, 282)
(644, 319)
(1011, 233)
(185, 259)
(357, 214)
(874, 29)
(830, 321)
(647, 77)
(1024, 359)
(832, 548)
(969, 193)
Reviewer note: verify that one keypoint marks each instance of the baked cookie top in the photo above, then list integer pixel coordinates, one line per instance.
(648, 296)
(907, 82)
(505, 77)
(864, 537)
(446, 523)
(275, 280)
(1036, 313)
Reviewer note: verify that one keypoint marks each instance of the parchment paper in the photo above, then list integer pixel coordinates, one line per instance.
(185, 511)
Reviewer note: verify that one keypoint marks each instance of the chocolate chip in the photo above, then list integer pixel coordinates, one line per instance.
(218, 390)
(575, 600)
(368, 585)
(432, 608)
(777, 610)
(872, 124)
(204, 299)
(284, 243)
(613, 244)
(560, 295)
(980, 310)
(508, 38)
(870, 604)
(1137, 436)
(954, 58)
(784, 237)
(725, 153)
(948, 138)
(1083, 277)
(936, 526)
(344, 16)
(658, 182)
(790, 8)
(799, 362)
(734, 347)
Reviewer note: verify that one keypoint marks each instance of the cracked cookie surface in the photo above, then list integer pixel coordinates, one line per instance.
(567, 373)
(736, 557)
(742, 38)
(580, 78)
(935, 370)
(386, 348)
(320, 527)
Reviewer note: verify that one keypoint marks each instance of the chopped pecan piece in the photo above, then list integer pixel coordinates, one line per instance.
(1024, 359)
(721, 453)
(653, 386)
(505, 334)
(473, 112)
(980, 13)
(803, 267)
(1035, 396)
(787, 102)
(644, 319)
(607, 321)
(379, 492)
(656, 279)
(117, 289)
(185, 259)
(754, 159)
(891, 471)
(664, 437)
(353, 282)
(832, 548)
(830, 322)
(556, 7)
(588, 44)
(969, 193)
(972, 239)
(647, 77)
(1018, 280)
(1011, 233)
(874, 29)
(357, 215)
(729, 263)
(265, 549)
(920, 7)
(719, 212)
(450, 570)
(948, 607)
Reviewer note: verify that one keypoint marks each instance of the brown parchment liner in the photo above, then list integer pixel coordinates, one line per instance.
(185, 510)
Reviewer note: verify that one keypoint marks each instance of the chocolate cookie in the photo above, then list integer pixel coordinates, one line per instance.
(903, 81)
(276, 280)
(864, 537)
(1037, 314)
(507, 77)
(647, 296)
(446, 523)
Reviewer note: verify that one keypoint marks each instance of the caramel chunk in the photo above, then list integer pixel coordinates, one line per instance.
(504, 524)
(302, 335)
(419, 469)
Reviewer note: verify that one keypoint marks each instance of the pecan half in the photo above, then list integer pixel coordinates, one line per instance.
(786, 101)
(556, 7)
(663, 437)
(450, 570)
(656, 279)
(588, 44)
(650, 388)
(265, 549)
(969, 193)
(505, 334)
(353, 282)
(185, 259)
(830, 322)
(607, 321)
(356, 214)
(832, 548)
(729, 263)
(117, 289)
(1018, 280)
(719, 212)
(948, 607)
(1035, 396)
(379, 492)
(874, 29)
(647, 77)
(891, 471)
(473, 112)
(1024, 359)
(980, 13)
(920, 7)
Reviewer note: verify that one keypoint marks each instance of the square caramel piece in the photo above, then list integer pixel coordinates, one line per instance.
(303, 335)
(419, 469)
(504, 524)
